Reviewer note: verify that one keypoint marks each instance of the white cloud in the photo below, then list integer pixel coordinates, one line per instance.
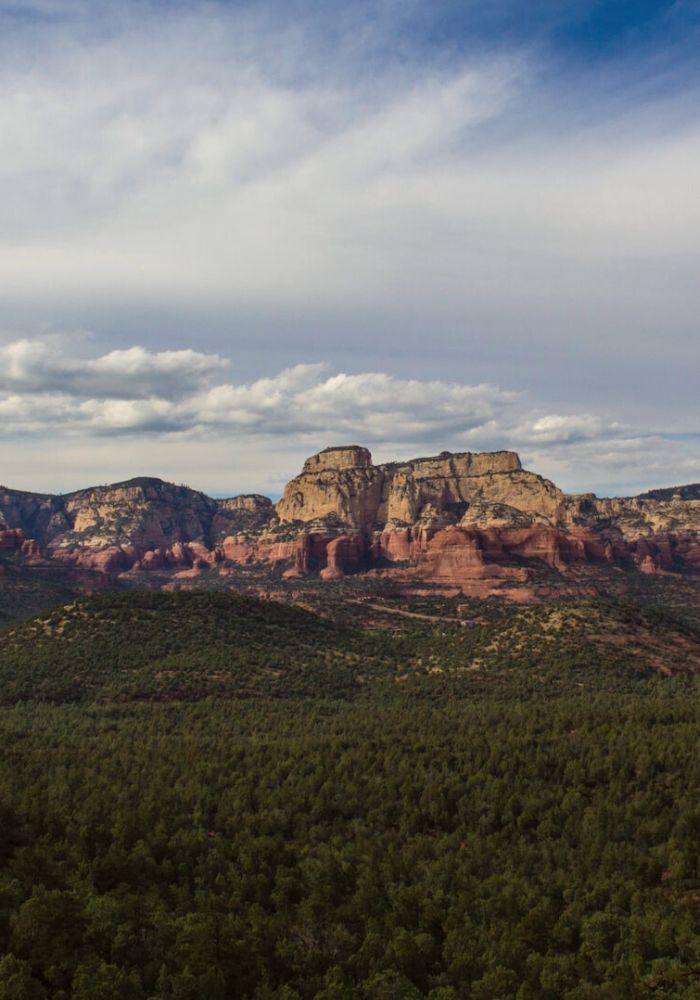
(175, 407)
(134, 390)
(214, 161)
(186, 163)
(44, 365)
(555, 428)
(451, 218)
(221, 159)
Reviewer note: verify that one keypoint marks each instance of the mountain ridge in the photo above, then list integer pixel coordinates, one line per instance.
(474, 520)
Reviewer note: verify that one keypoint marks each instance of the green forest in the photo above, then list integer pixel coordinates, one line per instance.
(377, 825)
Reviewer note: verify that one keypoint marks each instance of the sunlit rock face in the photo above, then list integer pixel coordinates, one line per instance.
(458, 519)
(338, 483)
(342, 482)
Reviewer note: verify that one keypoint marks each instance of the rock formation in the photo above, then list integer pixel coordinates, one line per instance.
(476, 519)
(343, 483)
(13, 540)
(338, 483)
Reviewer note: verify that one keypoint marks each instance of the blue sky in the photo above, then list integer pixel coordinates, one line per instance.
(232, 234)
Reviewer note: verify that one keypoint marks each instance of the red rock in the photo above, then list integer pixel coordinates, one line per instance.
(109, 560)
(11, 539)
(302, 557)
(189, 574)
(152, 560)
(343, 554)
(31, 549)
(200, 553)
(470, 521)
(179, 555)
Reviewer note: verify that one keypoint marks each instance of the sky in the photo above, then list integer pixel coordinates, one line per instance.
(235, 233)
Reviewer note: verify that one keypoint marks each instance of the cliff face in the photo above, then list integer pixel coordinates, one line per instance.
(339, 483)
(476, 520)
(37, 515)
(342, 483)
(141, 512)
(144, 514)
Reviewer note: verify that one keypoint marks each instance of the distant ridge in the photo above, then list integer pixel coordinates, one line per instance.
(689, 492)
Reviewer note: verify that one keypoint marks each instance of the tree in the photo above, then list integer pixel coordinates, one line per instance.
(390, 985)
(100, 981)
(48, 931)
(17, 982)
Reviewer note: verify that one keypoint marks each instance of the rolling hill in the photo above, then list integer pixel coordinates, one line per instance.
(152, 646)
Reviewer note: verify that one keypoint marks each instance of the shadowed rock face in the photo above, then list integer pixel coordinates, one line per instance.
(451, 518)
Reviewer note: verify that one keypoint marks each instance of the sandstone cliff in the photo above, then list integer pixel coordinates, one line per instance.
(140, 512)
(467, 518)
(342, 483)
(338, 483)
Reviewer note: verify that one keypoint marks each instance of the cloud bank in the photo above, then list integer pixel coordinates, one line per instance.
(43, 389)
(136, 402)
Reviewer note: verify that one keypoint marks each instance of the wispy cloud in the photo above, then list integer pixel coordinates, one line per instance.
(194, 164)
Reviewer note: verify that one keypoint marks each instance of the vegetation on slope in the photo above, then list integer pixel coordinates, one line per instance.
(153, 646)
(186, 646)
(26, 590)
(497, 808)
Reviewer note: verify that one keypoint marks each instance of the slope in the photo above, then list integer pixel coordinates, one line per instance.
(192, 645)
(154, 646)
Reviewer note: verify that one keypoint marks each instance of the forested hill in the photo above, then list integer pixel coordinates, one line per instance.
(162, 647)
(151, 646)
(500, 806)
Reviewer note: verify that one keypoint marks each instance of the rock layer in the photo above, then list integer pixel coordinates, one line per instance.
(476, 518)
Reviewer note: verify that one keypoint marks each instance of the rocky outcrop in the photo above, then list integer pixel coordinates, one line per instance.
(340, 485)
(145, 513)
(39, 516)
(449, 484)
(689, 492)
(13, 540)
(344, 554)
(251, 513)
(453, 519)
(343, 485)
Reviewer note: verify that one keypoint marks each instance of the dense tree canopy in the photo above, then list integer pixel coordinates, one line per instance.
(209, 796)
(324, 850)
